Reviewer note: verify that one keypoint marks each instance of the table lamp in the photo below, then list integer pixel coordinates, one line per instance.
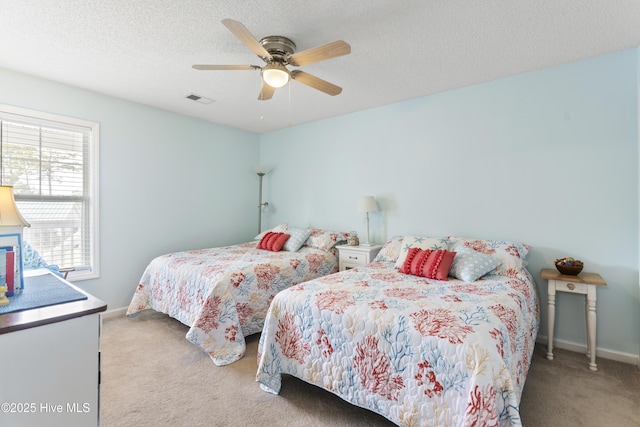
(11, 225)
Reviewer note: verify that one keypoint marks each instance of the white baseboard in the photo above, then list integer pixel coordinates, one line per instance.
(118, 312)
(633, 359)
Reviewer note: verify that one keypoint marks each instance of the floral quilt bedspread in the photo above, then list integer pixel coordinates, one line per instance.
(418, 351)
(223, 293)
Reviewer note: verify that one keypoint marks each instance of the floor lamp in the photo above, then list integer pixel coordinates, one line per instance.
(261, 171)
(367, 204)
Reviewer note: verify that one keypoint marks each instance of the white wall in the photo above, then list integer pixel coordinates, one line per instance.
(549, 158)
(164, 180)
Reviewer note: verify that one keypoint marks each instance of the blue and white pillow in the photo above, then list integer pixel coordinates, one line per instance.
(390, 250)
(469, 265)
(297, 239)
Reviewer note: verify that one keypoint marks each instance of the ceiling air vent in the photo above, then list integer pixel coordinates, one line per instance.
(200, 99)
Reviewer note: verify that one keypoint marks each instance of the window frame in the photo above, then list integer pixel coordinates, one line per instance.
(94, 147)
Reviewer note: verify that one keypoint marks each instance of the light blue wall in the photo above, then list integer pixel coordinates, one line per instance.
(164, 179)
(549, 158)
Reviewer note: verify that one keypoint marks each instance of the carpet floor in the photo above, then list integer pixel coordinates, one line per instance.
(152, 376)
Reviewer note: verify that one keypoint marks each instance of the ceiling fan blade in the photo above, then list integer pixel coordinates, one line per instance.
(320, 53)
(241, 32)
(316, 83)
(266, 92)
(225, 67)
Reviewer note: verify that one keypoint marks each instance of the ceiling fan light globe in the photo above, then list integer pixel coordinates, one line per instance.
(275, 76)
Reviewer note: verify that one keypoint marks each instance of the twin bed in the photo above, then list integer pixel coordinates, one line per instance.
(417, 350)
(223, 293)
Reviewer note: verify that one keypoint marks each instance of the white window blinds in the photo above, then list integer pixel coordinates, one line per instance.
(51, 162)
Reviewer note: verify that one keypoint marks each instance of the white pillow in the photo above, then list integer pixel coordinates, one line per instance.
(282, 228)
(408, 242)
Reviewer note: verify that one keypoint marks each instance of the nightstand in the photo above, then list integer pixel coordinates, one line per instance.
(356, 256)
(585, 284)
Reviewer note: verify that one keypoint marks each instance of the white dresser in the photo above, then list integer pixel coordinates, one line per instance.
(51, 364)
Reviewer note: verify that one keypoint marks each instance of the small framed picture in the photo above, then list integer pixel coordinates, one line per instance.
(11, 263)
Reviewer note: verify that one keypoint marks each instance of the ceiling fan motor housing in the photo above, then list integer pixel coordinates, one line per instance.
(279, 47)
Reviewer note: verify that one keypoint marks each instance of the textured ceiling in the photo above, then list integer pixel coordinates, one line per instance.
(143, 50)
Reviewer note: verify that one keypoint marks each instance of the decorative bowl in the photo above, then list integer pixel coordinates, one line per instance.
(569, 266)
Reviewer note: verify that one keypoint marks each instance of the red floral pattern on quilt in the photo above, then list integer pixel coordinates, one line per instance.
(335, 301)
(289, 338)
(374, 369)
(441, 323)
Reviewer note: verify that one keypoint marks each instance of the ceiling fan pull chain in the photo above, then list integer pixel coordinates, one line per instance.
(289, 105)
(261, 116)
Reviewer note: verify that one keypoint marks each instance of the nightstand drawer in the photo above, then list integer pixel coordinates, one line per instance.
(348, 266)
(576, 288)
(354, 257)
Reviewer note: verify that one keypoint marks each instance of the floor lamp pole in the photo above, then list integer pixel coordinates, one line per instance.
(260, 174)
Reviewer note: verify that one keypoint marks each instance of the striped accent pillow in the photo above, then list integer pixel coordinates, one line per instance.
(429, 263)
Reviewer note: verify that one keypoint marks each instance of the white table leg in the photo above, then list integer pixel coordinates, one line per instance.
(586, 316)
(551, 318)
(591, 327)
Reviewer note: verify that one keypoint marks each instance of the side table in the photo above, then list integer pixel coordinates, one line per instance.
(585, 284)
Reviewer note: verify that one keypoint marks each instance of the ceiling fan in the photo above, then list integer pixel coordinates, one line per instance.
(278, 52)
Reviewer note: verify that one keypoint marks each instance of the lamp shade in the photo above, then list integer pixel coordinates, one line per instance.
(262, 169)
(9, 213)
(367, 204)
(275, 75)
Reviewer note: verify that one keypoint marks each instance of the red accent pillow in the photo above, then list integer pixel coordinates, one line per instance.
(263, 240)
(438, 265)
(276, 244)
(268, 245)
(273, 241)
(429, 263)
(416, 257)
(411, 254)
